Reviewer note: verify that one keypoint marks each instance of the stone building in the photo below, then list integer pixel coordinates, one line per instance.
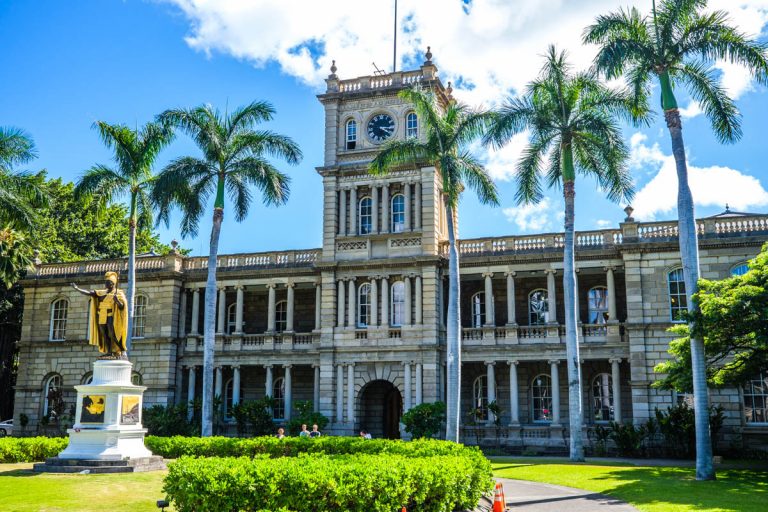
(357, 326)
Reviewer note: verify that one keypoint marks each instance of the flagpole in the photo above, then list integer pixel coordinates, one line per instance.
(394, 51)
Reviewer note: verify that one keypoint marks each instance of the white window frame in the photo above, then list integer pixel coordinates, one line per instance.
(140, 316)
(281, 316)
(278, 394)
(541, 401)
(231, 318)
(480, 397)
(411, 125)
(364, 305)
(756, 388)
(677, 299)
(229, 388)
(544, 315)
(477, 309)
(397, 303)
(602, 384)
(365, 216)
(397, 221)
(53, 382)
(350, 134)
(597, 304)
(58, 324)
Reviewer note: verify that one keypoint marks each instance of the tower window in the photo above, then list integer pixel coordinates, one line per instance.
(366, 215)
(351, 134)
(411, 125)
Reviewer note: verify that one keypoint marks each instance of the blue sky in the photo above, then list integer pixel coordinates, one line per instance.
(67, 64)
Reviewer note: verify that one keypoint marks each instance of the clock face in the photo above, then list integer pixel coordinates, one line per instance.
(381, 127)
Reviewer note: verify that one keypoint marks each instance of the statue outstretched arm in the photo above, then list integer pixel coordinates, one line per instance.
(90, 293)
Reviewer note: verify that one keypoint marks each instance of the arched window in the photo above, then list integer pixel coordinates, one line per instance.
(231, 318)
(541, 398)
(136, 379)
(364, 305)
(278, 394)
(229, 388)
(411, 125)
(480, 398)
(59, 310)
(740, 269)
(602, 398)
(351, 134)
(365, 215)
(598, 305)
(87, 378)
(281, 316)
(756, 399)
(478, 309)
(398, 213)
(678, 303)
(538, 307)
(52, 396)
(139, 316)
(397, 310)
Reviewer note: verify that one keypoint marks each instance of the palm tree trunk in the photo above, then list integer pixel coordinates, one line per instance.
(453, 335)
(131, 282)
(209, 325)
(689, 254)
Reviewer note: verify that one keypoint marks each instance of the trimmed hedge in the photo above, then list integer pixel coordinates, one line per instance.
(30, 449)
(315, 482)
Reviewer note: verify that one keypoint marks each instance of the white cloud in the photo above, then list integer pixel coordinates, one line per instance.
(487, 47)
(531, 217)
(692, 110)
(604, 223)
(501, 163)
(710, 186)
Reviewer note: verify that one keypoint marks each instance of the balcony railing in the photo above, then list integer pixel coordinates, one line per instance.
(537, 334)
(261, 341)
(255, 260)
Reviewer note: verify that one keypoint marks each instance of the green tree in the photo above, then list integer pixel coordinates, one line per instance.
(448, 128)
(424, 420)
(135, 153)
(20, 194)
(676, 44)
(572, 119)
(732, 320)
(235, 160)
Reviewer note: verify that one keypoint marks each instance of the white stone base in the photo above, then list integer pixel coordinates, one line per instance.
(103, 430)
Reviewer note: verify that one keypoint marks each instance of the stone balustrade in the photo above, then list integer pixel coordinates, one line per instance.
(368, 83)
(538, 334)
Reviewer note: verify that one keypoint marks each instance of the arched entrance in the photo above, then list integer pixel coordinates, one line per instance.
(381, 405)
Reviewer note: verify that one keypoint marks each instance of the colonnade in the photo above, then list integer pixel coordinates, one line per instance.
(381, 209)
(410, 311)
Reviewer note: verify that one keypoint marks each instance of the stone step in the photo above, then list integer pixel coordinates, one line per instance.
(137, 465)
(46, 468)
(55, 461)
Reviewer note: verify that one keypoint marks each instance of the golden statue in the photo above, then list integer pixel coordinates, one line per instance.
(108, 317)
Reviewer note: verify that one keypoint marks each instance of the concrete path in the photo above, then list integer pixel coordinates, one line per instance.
(535, 497)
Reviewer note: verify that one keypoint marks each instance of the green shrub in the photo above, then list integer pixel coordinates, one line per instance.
(677, 426)
(359, 482)
(254, 417)
(30, 449)
(305, 415)
(167, 420)
(628, 438)
(424, 420)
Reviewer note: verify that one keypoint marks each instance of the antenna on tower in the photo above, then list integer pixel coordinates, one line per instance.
(394, 49)
(377, 71)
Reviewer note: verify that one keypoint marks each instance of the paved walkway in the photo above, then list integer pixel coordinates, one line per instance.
(535, 497)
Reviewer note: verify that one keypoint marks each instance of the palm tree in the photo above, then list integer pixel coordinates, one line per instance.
(135, 152)
(20, 192)
(235, 159)
(677, 44)
(448, 129)
(572, 119)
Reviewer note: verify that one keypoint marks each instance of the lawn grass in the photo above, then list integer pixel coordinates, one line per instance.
(23, 490)
(649, 488)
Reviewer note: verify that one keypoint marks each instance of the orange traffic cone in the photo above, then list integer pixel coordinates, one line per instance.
(499, 501)
(403, 510)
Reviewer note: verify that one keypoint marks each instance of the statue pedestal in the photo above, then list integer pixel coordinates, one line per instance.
(108, 421)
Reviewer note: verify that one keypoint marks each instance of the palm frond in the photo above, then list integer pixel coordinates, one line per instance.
(264, 142)
(259, 172)
(477, 178)
(245, 117)
(398, 153)
(16, 147)
(101, 183)
(719, 108)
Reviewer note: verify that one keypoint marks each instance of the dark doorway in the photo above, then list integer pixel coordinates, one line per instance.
(382, 406)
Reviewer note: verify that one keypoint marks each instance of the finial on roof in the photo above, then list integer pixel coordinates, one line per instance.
(174, 245)
(428, 56)
(449, 91)
(36, 257)
(333, 69)
(727, 208)
(628, 210)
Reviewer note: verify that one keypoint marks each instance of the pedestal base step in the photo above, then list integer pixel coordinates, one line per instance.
(136, 465)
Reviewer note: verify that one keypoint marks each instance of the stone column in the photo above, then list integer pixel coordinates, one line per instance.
(419, 383)
(239, 310)
(191, 392)
(222, 309)
(316, 389)
(384, 302)
(616, 385)
(374, 209)
(193, 328)
(340, 309)
(553, 363)
(490, 320)
(407, 303)
(353, 210)
(407, 386)
(385, 208)
(351, 393)
(611, 286)
(288, 392)
(235, 385)
(218, 383)
(318, 304)
(407, 217)
(268, 380)
(551, 299)
(271, 308)
(490, 367)
(511, 317)
(514, 394)
(342, 212)
(374, 321)
(351, 310)
(339, 393)
(418, 213)
(183, 314)
(290, 309)
(419, 302)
